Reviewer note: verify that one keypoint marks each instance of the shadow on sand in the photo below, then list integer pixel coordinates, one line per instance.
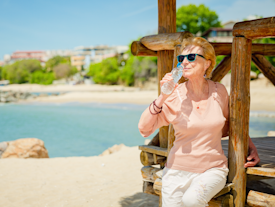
(140, 200)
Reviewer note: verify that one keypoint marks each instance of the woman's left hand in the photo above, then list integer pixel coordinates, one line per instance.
(253, 158)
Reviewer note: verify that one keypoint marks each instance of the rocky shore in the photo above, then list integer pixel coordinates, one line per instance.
(16, 96)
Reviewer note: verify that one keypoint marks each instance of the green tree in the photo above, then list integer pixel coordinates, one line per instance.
(19, 72)
(64, 70)
(106, 72)
(1, 69)
(41, 77)
(51, 63)
(196, 19)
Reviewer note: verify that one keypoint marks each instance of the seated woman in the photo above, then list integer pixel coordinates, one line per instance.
(196, 169)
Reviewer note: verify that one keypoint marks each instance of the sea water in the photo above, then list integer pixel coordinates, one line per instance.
(74, 129)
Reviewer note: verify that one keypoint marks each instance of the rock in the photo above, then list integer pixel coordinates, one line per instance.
(26, 148)
(271, 134)
(112, 149)
(3, 147)
(253, 75)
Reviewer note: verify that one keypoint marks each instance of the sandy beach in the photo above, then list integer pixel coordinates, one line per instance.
(105, 181)
(262, 94)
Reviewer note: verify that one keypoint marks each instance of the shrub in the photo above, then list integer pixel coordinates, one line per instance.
(64, 70)
(19, 72)
(40, 77)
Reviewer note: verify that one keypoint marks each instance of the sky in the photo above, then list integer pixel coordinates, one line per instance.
(66, 24)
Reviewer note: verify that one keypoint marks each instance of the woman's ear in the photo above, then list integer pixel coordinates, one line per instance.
(207, 64)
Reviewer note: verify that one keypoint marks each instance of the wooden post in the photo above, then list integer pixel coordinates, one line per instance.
(239, 116)
(221, 70)
(167, 24)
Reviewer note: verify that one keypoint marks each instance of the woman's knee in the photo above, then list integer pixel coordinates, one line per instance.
(193, 202)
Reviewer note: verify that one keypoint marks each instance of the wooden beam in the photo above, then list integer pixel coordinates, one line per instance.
(138, 49)
(258, 199)
(148, 159)
(157, 186)
(265, 67)
(269, 172)
(263, 49)
(166, 41)
(226, 200)
(226, 189)
(239, 116)
(222, 69)
(148, 188)
(221, 48)
(166, 24)
(155, 141)
(254, 29)
(154, 150)
(149, 173)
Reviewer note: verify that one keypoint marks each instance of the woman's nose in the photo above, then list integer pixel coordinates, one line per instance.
(185, 61)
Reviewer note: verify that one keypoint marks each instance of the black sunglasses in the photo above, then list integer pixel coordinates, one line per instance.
(190, 57)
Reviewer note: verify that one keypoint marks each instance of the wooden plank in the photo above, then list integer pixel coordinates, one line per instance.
(258, 199)
(259, 28)
(239, 125)
(138, 49)
(265, 67)
(166, 41)
(149, 173)
(222, 69)
(221, 48)
(223, 201)
(157, 186)
(166, 24)
(154, 150)
(148, 159)
(257, 48)
(263, 49)
(269, 172)
(155, 141)
(226, 189)
(148, 188)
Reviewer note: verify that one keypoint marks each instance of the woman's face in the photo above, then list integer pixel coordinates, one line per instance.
(197, 68)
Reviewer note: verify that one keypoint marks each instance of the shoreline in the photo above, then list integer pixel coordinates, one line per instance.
(262, 94)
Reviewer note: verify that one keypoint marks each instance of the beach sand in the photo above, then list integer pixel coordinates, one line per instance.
(100, 181)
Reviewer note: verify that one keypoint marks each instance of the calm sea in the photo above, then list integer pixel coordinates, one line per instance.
(85, 129)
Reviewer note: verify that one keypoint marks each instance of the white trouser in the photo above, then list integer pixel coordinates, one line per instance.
(187, 189)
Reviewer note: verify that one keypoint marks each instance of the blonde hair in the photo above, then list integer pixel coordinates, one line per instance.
(208, 51)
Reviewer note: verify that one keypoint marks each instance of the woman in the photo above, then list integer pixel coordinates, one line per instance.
(196, 169)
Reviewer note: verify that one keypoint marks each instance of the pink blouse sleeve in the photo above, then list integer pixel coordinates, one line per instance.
(223, 99)
(168, 114)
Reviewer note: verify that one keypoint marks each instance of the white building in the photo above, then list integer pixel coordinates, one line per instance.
(84, 56)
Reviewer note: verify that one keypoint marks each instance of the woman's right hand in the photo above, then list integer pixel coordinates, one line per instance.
(168, 79)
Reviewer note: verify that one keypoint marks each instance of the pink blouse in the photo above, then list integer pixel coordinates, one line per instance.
(197, 146)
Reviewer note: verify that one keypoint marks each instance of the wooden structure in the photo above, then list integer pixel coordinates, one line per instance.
(166, 46)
